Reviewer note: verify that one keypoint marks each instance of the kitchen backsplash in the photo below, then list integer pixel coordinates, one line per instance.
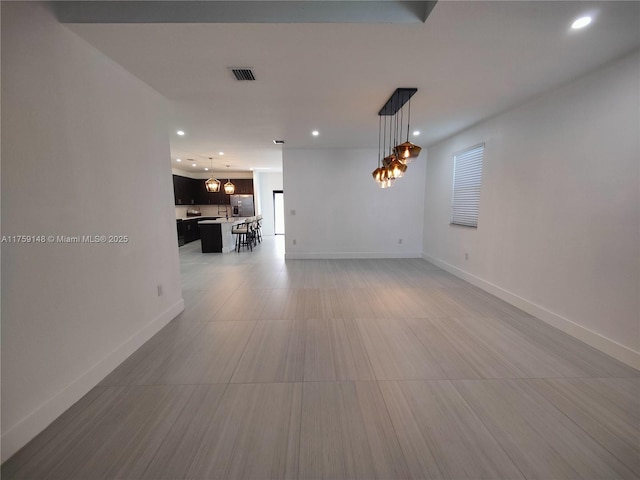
(206, 210)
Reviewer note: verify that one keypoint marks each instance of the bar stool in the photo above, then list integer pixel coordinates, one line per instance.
(259, 228)
(243, 236)
(253, 230)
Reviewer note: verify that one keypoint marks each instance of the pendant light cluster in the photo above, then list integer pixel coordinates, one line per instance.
(392, 164)
(213, 184)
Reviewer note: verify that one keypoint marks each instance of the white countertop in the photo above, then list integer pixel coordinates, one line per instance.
(223, 220)
(197, 217)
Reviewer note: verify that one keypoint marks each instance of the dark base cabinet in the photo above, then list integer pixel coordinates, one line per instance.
(180, 233)
(189, 230)
(211, 238)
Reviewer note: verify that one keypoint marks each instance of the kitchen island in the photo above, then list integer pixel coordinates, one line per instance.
(216, 236)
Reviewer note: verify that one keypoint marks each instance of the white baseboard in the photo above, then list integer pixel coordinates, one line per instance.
(604, 344)
(34, 423)
(347, 255)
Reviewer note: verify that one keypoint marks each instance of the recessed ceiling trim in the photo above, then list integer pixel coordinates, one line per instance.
(152, 11)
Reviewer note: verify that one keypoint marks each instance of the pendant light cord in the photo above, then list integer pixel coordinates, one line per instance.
(384, 136)
(379, 129)
(401, 122)
(409, 120)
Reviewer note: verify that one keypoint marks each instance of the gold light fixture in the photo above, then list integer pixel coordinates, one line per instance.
(397, 168)
(229, 188)
(383, 175)
(213, 184)
(407, 152)
(394, 162)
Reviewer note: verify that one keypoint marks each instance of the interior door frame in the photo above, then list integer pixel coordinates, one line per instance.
(275, 192)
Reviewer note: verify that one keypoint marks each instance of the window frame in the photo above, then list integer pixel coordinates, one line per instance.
(454, 219)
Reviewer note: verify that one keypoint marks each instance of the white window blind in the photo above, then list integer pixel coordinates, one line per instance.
(467, 177)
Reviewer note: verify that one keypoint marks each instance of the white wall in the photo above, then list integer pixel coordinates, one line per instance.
(265, 184)
(559, 225)
(340, 212)
(85, 151)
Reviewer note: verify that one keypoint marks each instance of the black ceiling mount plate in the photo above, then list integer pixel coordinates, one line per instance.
(397, 100)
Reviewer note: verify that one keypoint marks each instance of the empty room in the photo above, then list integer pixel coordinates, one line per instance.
(320, 240)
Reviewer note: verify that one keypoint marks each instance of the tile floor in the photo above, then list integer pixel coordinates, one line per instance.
(345, 369)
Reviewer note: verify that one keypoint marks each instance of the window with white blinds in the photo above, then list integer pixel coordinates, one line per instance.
(467, 177)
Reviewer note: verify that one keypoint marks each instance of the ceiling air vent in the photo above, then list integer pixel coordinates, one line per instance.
(243, 73)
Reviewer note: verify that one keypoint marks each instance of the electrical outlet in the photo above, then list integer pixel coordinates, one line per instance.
(295, 242)
(399, 241)
(466, 256)
(159, 289)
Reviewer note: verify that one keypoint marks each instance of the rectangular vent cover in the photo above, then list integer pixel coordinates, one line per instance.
(243, 74)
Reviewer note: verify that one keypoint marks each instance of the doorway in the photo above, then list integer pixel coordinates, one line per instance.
(278, 212)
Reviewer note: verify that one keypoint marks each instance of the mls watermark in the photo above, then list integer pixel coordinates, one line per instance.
(91, 239)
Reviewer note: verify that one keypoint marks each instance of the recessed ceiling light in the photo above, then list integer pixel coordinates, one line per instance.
(193, 164)
(180, 132)
(220, 153)
(416, 133)
(315, 133)
(178, 159)
(581, 23)
(251, 169)
(206, 169)
(279, 142)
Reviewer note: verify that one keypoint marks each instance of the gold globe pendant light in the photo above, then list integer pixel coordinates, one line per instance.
(407, 152)
(213, 184)
(397, 168)
(386, 181)
(393, 165)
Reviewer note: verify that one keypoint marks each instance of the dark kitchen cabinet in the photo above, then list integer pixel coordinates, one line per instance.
(202, 196)
(221, 198)
(183, 190)
(244, 186)
(192, 191)
(190, 230)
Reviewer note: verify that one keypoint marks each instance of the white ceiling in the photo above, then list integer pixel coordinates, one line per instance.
(469, 61)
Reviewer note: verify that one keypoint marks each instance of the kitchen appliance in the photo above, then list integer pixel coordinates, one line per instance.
(242, 206)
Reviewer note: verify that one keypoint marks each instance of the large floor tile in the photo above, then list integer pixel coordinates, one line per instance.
(608, 409)
(346, 433)
(245, 304)
(334, 350)
(395, 352)
(118, 435)
(210, 357)
(154, 354)
(274, 353)
(440, 435)
(541, 440)
(249, 432)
